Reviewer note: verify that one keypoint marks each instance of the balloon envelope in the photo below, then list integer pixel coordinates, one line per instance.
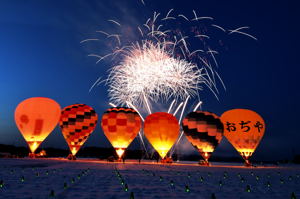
(244, 129)
(204, 130)
(120, 126)
(36, 118)
(162, 130)
(77, 122)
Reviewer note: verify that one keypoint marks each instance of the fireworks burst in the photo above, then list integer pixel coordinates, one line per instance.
(149, 71)
(162, 63)
(171, 57)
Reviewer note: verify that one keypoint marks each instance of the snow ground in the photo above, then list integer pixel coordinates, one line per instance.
(83, 178)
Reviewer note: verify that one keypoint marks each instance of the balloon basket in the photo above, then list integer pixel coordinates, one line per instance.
(32, 155)
(120, 153)
(248, 163)
(246, 156)
(120, 159)
(71, 157)
(205, 156)
(204, 163)
(166, 160)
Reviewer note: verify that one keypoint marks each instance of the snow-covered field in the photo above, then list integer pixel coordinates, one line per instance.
(58, 178)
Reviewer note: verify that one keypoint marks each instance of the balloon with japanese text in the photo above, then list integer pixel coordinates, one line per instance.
(204, 130)
(162, 130)
(121, 126)
(244, 129)
(77, 122)
(36, 118)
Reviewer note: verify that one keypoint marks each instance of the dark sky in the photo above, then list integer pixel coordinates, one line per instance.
(41, 55)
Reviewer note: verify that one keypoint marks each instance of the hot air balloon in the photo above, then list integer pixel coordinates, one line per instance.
(204, 130)
(77, 122)
(36, 117)
(162, 130)
(120, 126)
(244, 129)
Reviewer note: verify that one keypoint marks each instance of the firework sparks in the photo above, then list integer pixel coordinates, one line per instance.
(171, 106)
(181, 15)
(149, 72)
(197, 106)
(204, 36)
(115, 36)
(164, 63)
(111, 104)
(89, 40)
(200, 18)
(218, 27)
(183, 109)
(177, 109)
(243, 33)
(240, 32)
(115, 22)
(96, 82)
(105, 33)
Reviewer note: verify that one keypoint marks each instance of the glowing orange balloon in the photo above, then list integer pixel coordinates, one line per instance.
(77, 122)
(36, 118)
(120, 126)
(244, 129)
(162, 130)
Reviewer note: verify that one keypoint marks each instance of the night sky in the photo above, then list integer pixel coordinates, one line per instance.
(41, 55)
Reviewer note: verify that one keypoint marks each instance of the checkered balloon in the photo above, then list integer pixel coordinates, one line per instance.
(204, 130)
(77, 122)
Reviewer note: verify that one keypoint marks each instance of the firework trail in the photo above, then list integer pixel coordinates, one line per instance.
(171, 57)
(171, 106)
